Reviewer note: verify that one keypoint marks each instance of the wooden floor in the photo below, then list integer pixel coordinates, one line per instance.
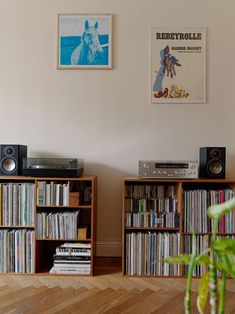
(107, 292)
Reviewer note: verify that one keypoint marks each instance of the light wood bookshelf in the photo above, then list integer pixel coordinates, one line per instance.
(180, 185)
(45, 247)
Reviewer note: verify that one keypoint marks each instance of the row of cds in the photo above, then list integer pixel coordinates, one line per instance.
(145, 251)
(62, 225)
(17, 204)
(149, 191)
(152, 220)
(17, 251)
(157, 205)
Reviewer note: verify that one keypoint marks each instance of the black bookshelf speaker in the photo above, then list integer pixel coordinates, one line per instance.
(11, 159)
(212, 162)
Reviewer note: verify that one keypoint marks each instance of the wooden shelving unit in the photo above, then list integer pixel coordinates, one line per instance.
(131, 186)
(41, 249)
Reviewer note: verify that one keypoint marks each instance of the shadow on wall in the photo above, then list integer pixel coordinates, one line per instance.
(230, 166)
(109, 207)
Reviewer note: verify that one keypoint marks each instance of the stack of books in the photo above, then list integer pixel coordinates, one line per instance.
(72, 258)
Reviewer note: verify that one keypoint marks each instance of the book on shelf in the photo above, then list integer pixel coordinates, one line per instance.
(75, 245)
(72, 257)
(69, 271)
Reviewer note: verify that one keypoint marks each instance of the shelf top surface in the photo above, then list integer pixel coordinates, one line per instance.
(200, 180)
(25, 178)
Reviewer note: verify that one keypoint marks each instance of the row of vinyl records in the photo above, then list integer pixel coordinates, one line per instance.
(202, 243)
(17, 204)
(72, 258)
(152, 220)
(60, 225)
(195, 204)
(16, 251)
(156, 204)
(149, 191)
(145, 251)
(52, 194)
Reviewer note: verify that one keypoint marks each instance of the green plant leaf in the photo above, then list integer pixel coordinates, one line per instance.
(202, 292)
(183, 259)
(203, 259)
(217, 211)
(227, 262)
(224, 245)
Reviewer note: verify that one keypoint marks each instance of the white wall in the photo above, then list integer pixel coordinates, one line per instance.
(105, 116)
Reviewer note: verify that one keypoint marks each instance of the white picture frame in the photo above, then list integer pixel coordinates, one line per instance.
(84, 41)
(178, 65)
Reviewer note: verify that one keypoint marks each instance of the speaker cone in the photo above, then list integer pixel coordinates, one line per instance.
(8, 165)
(215, 167)
(9, 150)
(215, 153)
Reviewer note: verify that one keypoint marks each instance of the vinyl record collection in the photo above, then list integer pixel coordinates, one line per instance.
(17, 251)
(151, 206)
(202, 243)
(145, 250)
(59, 225)
(72, 258)
(17, 204)
(52, 193)
(195, 204)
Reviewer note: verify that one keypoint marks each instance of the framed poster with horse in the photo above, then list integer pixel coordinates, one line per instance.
(84, 41)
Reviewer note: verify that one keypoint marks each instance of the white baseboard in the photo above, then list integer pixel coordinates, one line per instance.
(109, 247)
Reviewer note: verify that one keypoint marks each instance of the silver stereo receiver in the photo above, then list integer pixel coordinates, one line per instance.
(168, 169)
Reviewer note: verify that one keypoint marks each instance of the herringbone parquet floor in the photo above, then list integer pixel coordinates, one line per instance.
(108, 292)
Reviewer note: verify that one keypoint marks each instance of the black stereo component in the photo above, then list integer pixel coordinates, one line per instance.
(52, 167)
(212, 162)
(11, 159)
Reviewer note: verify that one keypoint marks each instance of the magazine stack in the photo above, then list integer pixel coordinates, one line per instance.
(72, 258)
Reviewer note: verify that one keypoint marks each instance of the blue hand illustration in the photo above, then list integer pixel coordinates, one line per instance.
(169, 63)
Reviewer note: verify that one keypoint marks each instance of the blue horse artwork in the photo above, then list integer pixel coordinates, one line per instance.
(85, 41)
(89, 51)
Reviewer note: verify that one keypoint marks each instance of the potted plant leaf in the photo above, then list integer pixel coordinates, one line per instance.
(219, 259)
